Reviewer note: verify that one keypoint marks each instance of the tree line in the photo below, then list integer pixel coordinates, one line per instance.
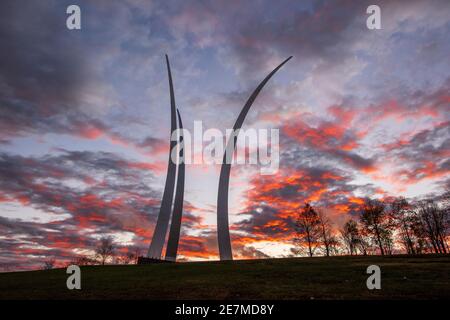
(381, 227)
(105, 252)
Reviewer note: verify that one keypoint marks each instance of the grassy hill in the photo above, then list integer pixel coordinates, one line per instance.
(402, 277)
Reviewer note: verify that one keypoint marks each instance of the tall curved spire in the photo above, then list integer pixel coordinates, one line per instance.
(223, 232)
(174, 233)
(162, 223)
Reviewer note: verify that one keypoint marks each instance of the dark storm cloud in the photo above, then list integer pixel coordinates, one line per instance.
(321, 31)
(15, 226)
(53, 80)
(253, 32)
(41, 67)
(153, 145)
(260, 220)
(353, 159)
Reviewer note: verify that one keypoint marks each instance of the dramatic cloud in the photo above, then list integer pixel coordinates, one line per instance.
(76, 197)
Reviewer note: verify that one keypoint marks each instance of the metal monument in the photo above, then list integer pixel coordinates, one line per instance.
(160, 232)
(175, 183)
(223, 232)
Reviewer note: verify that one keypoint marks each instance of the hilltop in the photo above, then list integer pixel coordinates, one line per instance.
(403, 277)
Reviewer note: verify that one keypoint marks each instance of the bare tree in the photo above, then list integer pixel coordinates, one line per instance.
(49, 264)
(446, 216)
(133, 255)
(422, 244)
(328, 240)
(387, 240)
(137, 253)
(84, 261)
(307, 228)
(350, 236)
(130, 257)
(105, 249)
(363, 240)
(404, 219)
(434, 223)
(377, 224)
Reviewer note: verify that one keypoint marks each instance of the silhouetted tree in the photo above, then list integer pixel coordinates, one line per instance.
(131, 256)
(446, 216)
(387, 240)
(328, 240)
(422, 245)
(404, 219)
(49, 264)
(376, 223)
(350, 236)
(105, 250)
(421, 227)
(83, 261)
(137, 253)
(307, 228)
(434, 224)
(363, 241)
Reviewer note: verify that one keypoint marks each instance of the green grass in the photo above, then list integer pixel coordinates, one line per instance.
(403, 277)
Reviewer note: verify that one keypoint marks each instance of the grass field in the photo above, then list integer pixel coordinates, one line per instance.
(402, 277)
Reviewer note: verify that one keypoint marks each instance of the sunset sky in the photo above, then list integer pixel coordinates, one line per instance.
(85, 117)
